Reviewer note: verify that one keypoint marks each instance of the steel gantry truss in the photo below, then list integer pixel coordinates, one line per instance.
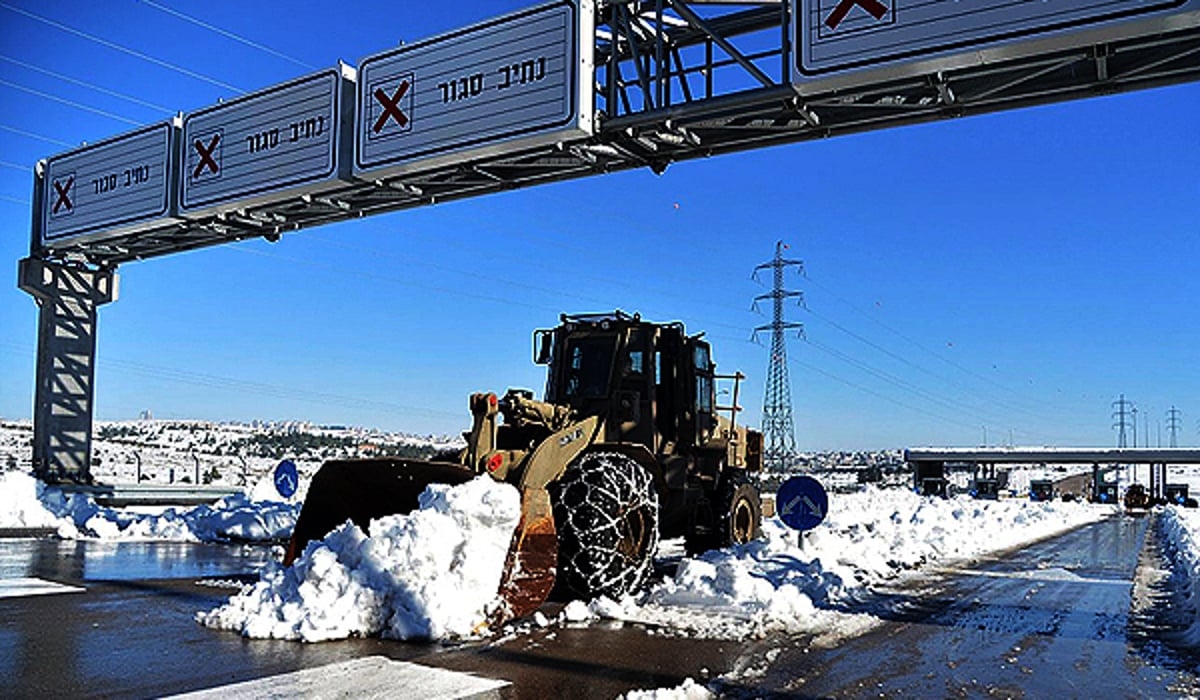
(674, 80)
(678, 80)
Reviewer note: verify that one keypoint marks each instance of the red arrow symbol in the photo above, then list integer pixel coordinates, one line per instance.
(63, 199)
(874, 7)
(206, 156)
(391, 107)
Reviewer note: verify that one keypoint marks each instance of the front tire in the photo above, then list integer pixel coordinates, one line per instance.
(606, 514)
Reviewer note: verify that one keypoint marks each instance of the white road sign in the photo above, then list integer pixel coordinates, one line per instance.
(508, 84)
(108, 188)
(837, 36)
(269, 146)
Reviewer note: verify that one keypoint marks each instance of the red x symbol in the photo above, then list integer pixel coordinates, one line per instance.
(874, 7)
(391, 107)
(63, 199)
(206, 159)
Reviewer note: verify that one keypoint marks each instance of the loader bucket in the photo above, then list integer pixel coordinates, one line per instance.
(360, 490)
(529, 570)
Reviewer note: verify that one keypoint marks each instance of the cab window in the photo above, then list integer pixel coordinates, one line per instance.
(589, 363)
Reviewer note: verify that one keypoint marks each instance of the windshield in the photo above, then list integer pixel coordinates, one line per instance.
(589, 362)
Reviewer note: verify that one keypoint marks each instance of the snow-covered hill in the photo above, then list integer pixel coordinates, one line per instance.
(224, 454)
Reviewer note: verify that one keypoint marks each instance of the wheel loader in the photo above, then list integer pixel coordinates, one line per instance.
(627, 446)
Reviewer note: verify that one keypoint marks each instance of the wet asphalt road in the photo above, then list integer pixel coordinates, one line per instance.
(131, 634)
(1052, 620)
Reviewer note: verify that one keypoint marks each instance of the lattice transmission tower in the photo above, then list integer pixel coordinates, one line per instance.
(1174, 425)
(1121, 415)
(779, 432)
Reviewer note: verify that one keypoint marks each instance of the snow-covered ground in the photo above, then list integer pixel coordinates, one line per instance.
(434, 573)
(779, 585)
(432, 560)
(1181, 528)
(232, 455)
(26, 502)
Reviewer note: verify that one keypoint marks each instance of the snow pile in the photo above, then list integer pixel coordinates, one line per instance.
(430, 574)
(21, 503)
(26, 502)
(775, 585)
(1181, 529)
(688, 690)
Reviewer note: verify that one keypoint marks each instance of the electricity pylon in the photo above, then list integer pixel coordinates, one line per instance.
(779, 431)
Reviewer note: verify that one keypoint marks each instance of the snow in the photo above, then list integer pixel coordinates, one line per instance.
(20, 503)
(26, 502)
(868, 538)
(430, 574)
(1181, 528)
(434, 573)
(688, 690)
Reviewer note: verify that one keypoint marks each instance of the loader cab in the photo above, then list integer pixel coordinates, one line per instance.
(581, 354)
(703, 391)
(652, 382)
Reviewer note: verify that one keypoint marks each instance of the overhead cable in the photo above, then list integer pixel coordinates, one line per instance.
(38, 137)
(227, 34)
(123, 49)
(86, 84)
(69, 103)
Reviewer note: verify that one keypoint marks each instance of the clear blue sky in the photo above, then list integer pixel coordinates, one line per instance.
(1043, 261)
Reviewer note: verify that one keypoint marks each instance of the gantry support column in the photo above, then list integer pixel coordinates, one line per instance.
(67, 298)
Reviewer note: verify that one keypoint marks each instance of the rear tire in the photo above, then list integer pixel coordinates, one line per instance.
(606, 514)
(734, 518)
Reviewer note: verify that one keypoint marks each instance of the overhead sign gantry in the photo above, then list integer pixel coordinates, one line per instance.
(838, 36)
(271, 146)
(563, 90)
(519, 81)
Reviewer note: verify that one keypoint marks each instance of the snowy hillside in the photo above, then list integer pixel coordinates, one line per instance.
(223, 454)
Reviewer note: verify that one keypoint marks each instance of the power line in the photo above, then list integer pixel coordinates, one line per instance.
(842, 380)
(510, 300)
(69, 103)
(227, 34)
(920, 346)
(123, 49)
(859, 387)
(16, 166)
(889, 378)
(14, 200)
(242, 386)
(90, 86)
(38, 137)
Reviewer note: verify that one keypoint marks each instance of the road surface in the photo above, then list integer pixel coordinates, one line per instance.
(1050, 621)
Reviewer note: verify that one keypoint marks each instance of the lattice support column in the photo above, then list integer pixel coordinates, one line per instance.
(67, 298)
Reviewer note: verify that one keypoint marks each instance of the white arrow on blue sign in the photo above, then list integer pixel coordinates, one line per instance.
(286, 478)
(802, 502)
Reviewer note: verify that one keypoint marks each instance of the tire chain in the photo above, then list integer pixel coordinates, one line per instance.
(591, 498)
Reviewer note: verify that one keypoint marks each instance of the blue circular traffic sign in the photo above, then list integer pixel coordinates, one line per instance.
(802, 502)
(286, 478)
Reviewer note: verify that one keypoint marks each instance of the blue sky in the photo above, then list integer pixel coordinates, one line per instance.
(1008, 274)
